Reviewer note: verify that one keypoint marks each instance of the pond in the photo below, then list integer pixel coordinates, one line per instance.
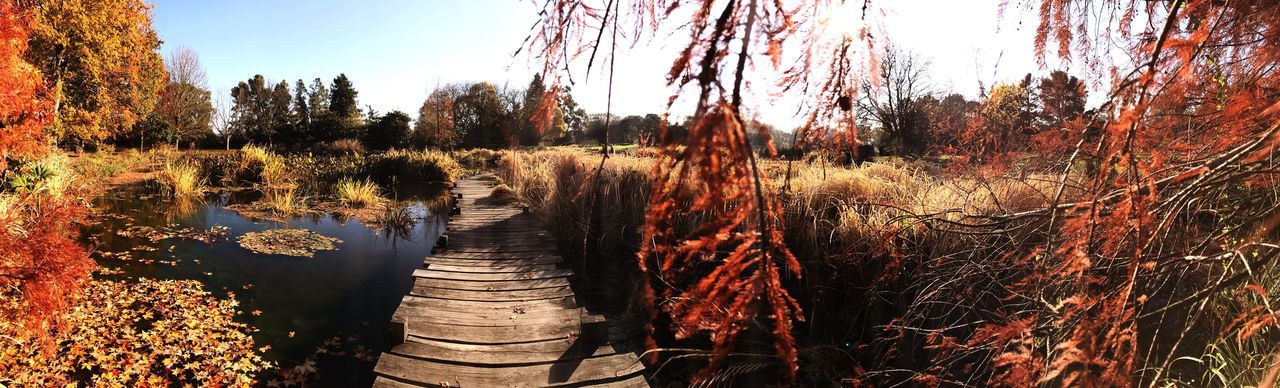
(329, 312)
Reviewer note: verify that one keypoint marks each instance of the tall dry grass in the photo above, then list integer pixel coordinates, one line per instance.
(876, 242)
(355, 193)
(416, 166)
(180, 179)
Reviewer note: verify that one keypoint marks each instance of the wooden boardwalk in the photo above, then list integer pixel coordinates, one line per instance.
(494, 308)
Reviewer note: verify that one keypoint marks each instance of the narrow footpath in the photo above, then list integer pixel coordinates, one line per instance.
(493, 308)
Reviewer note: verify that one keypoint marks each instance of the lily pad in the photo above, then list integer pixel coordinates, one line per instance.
(288, 242)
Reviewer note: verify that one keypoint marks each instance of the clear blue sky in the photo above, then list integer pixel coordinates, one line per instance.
(395, 51)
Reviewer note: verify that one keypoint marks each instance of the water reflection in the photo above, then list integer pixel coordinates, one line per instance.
(348, 294)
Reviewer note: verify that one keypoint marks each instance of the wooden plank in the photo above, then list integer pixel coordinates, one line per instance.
(417, 317)
(384, 382)
(495, 334)
(512, 295)
(498, 268)
(499, 249)
(492, 256)
(504, 355)
(496, 285)
(492, 308)
(491, 277)
(561, 303)
(614, 367)
(478, 262)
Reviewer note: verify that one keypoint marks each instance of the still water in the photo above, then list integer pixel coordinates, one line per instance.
(331, 310)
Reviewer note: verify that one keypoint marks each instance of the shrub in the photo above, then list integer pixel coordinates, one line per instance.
(478, 159)
(180, 179)
(420, 166)
(347, 147)
(356, 193)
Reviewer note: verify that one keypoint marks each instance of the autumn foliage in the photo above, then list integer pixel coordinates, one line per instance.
(1155, 224)
(41, 266)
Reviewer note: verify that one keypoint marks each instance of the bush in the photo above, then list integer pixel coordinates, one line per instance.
(415, 166)
(347, 147)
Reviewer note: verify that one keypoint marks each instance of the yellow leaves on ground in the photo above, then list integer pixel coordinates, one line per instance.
(143, 332)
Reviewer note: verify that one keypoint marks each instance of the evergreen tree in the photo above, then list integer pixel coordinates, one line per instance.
(301, 111)
(388, 131)
(342, 101)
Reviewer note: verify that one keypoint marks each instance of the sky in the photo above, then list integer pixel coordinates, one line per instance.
(397, 51)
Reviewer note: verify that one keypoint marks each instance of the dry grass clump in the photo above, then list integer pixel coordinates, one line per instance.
(357, 194)
(504, 194)
(347, 147)
(258, 165)
(180, 179)
(420, 166)
(282, 200)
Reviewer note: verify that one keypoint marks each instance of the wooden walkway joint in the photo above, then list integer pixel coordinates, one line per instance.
(494, 308)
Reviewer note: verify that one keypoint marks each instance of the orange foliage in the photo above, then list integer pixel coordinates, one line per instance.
(41, 266)
(24, 110)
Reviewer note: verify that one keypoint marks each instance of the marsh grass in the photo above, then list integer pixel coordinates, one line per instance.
(415, 166)
(356, 194)
(180, 179)
(396, 218)
(282, 200)
(105, 164)
(260, 166)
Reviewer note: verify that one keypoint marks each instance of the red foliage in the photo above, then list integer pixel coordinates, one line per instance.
(41, 266)
(24, 110)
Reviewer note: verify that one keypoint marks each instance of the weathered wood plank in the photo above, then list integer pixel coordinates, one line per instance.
(492, 308)
(490, 277)
(504, 355)
(603, 369)
(500, 268)
(420, 289)
(496, 285)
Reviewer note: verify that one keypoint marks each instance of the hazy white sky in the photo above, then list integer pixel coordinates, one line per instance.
(396, 51)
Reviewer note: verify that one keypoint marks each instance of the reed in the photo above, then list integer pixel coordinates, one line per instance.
(180, 179)
(357, 194)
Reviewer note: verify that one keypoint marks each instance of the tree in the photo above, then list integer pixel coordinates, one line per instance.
(102, 60)
(344, 119)
(25, 105)
(42, 267)
(389, 131)
(1062, 98)
(279, 112)
(948, 119)
(342, 101)
(1004, 121)
(435, 125)
(480, 118)
(535, 115)
(893, 103)
(185, 103)
(301, 111)
(222, 116)
(574, 116)
(258, 110)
